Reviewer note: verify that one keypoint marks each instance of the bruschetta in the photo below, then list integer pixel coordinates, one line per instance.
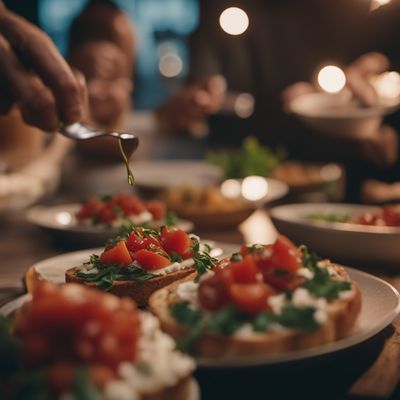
(262, 300)
(73, 342)
(142, 262)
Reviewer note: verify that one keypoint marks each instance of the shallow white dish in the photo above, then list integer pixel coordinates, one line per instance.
(53, 269)
(61, 220)
(377, 245)
(380, 306)
(164, 174)
(334, 114)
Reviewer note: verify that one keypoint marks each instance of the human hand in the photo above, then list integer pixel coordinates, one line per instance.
(35, 76)
(190, 106)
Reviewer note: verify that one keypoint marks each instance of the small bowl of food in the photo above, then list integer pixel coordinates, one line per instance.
(225, 205)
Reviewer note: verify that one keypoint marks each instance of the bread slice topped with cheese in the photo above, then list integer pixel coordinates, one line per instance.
(143, 261)
(73, 342)
(262, 300)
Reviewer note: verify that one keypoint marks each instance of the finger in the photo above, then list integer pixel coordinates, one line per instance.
(6, 99)
(361, 87)
(36, 48)
(37, 103)
(295, 90)
(372, 63)
(83, 93)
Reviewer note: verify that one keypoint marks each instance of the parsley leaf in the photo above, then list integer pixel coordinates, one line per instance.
(171, 218)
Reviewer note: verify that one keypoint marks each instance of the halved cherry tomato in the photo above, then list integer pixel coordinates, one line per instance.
(149, 260)
(213, 293)
(251, 298)
(106, 215)
(245, 271)
(157, 209)
(176, 241)
(90, 208)
(136, 242)
(282, 279)
(119, 254)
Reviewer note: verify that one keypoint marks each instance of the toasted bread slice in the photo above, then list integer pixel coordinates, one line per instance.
(139, 291)
(342, 315)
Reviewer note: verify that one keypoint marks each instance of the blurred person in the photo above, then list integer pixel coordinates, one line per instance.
(286, 43)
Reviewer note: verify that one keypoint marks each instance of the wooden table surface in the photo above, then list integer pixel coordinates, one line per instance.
(22, 244)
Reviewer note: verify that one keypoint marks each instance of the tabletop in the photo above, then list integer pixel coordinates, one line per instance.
(23, 244)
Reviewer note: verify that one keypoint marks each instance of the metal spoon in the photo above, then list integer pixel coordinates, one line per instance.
(128, 142)
(78, 131)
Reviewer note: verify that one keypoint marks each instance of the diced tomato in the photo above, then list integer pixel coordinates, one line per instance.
(250, 298)
(136, 242)
(176, 241)
(157, 209)
(90, 208)
(245, 271)
(150, 260)
(213, 293)
(282, 279)
(119, 254)
(222, 264)
(106, 215)
(189, 253)
(129, 204)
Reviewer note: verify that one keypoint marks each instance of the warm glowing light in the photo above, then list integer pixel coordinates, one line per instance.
(387, 85)
(231, 188)
(244, 105)
(331, 79)
(254, 188)
(234, 21)
(330, 172)
(64, 218)
(375, 4)
(170, 65)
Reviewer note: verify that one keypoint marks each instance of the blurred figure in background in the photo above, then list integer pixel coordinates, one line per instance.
(286, 42)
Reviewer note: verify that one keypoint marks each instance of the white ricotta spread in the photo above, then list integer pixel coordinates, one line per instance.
(174, 267)
(187, 291)
(277, 302)
(305, 273)
(166, 366)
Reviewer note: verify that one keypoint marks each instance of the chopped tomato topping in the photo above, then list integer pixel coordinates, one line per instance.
(119, 254)
(149, 260)
(245, 271)
(176, 241)
(130, 205)
(157, 209)
(90, 208)
(282, 279)
(135, 242)
(76, 325)
(250, 298)
(213, 292)
(106, 215)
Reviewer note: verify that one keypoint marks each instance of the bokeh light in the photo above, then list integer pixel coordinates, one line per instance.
(231, 188)
(254, 188)
(387, 85)
(170, 65)
(234, 21)
(331, 79)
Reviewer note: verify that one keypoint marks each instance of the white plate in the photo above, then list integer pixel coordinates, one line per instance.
(380, 306)
(61, 219)
(340, 241)
(164, 174)
(53, 269)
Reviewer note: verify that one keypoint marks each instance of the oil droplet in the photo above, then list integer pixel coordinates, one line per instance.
(127, 147)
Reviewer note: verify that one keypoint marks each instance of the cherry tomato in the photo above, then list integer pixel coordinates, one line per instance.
(213, 292)
(250, 298)
(282, 279)
(176, 241)
(245, 271)
(90, 208)
(150, 260)
(157, 209)
(119, 254)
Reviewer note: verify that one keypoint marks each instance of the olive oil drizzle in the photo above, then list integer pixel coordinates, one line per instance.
(126, 148)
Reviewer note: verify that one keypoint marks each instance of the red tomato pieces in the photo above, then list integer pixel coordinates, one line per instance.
(73, 323)
(119, 254)
(157, 209)
(176, 241)
(90, 208)
(149, 260)
(258, 273)
(136, 242)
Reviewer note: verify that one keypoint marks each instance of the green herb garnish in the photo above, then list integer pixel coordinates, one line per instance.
(202, 259)
(251, 159)
(171, 218)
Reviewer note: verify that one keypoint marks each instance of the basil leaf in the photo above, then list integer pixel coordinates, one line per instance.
(298, 318)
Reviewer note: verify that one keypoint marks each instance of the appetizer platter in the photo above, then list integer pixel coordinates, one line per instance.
(360, 233)
(77, 342)
(101, 217)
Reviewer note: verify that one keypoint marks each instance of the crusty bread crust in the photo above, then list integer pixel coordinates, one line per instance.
(342, 316)
(139, 291)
